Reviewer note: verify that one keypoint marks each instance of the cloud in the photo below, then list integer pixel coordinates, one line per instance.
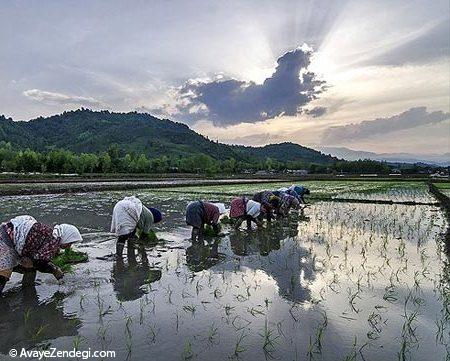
(431, 45)
(229, 101)
(412, 118)
(316, 112)
(59, 98)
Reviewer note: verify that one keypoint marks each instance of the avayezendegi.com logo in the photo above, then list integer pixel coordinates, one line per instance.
(61, 354)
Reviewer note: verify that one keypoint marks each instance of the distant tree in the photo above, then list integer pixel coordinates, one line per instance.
(105, 163)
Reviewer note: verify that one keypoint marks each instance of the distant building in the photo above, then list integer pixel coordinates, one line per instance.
(439, 175)
(297, 171)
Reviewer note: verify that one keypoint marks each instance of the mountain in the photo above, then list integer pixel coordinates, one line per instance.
(350, 154)
(86, 131)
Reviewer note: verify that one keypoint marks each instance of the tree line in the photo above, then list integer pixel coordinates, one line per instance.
(114, 160)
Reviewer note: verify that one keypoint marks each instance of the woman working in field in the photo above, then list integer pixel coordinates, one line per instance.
(269, 203)
(297, 191)
(28, 245)
(243, 209)
(129, 217)
(287, 202)
(199, 214)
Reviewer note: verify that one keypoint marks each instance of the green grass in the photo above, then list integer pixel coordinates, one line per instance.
(442, 185)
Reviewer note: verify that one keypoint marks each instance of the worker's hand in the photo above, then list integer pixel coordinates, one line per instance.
(3, 281)
(58, 273)
(26, 262)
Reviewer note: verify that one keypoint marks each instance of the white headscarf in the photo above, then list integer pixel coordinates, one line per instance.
(126, 216)
(22, 226)
(67, 233)
(253, 208)
(221, 207)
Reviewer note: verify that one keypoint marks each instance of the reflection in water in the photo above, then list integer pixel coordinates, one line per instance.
(26, 322)
(202, 255)
(290, 265)
(129, 278)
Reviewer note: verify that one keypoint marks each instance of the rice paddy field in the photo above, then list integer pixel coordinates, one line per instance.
(338, 281)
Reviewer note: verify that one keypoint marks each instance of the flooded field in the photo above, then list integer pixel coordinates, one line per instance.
(342, 281)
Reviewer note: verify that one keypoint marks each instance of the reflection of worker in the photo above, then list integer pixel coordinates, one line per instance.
(131, 216)
(27, 321)
(129, 278)
(202, 255)
(287, 264)
(244, 244)
(27, 245)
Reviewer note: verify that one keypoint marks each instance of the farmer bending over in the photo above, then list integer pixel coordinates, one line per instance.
(131, 216)
(243, 209)
(269, 203)
(199, 213)
(27, 245)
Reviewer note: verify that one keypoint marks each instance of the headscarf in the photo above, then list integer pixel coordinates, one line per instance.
(253, 208)
(22, 226)
(157, 216)
(221, 207)
(67, 233)
(274, 200)
(293, 193)
(300, 190)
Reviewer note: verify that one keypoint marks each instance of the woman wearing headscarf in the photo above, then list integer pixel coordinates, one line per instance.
(286, 190)
(131, 216)
(199, 213)
(287, 202)
(269, 202)
(244, 209)
(31, 245)
(301, 191)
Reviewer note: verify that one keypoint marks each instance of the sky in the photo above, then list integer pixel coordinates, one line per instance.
(367, 75)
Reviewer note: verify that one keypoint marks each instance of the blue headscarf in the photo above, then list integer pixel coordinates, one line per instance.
(157, 216)
(293, 193)
(300, 190)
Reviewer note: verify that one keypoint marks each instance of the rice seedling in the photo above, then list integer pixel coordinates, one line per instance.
(190, 308)
(187, 353)
(239, 347)
(269, 338)
(153, 331)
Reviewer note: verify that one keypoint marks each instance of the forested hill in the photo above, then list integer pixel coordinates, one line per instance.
(86, 131)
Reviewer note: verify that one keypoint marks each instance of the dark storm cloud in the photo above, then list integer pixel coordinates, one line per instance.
(231, 101)
(316, 112)
(414, 117)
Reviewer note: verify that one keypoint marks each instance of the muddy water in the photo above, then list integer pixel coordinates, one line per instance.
(341, 281)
